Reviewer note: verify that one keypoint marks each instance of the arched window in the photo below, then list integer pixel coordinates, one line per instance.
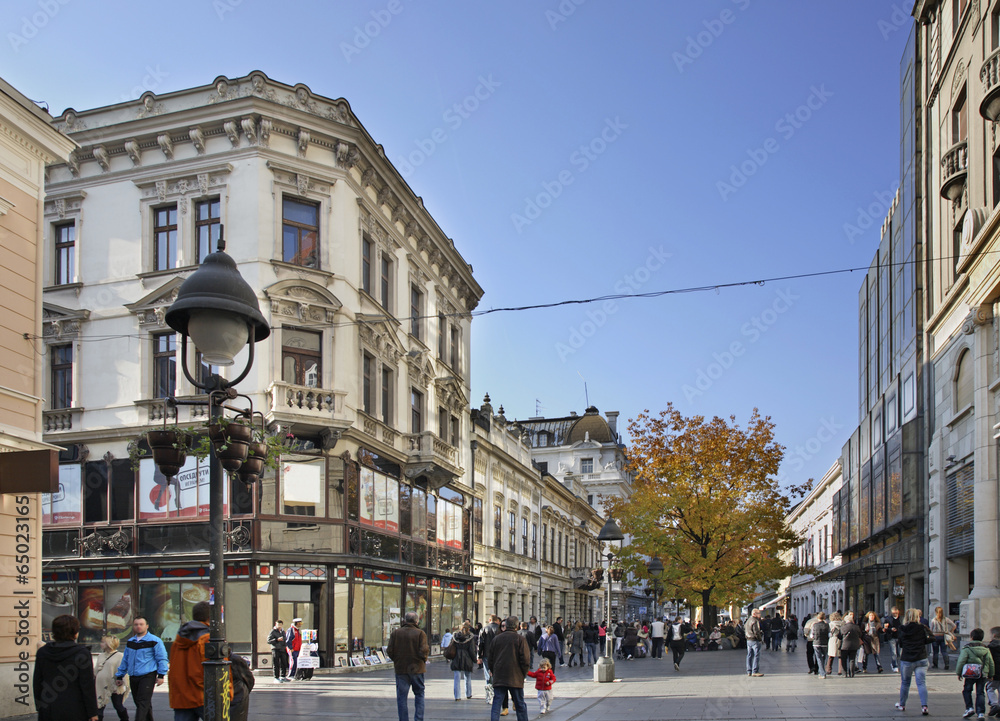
(964, 381)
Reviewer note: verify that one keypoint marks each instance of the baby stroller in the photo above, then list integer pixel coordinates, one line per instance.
(640, 650)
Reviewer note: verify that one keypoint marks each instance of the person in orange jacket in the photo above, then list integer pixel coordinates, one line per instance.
(544, 678)
(186, 675)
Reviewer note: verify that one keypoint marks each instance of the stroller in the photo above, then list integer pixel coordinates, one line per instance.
(640, 650)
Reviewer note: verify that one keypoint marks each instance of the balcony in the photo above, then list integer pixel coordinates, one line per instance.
(431, 457)
(989, 74)
(61, 419)
(954, 169)
(305, 408)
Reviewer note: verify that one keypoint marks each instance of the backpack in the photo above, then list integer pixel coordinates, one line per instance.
(972, 670)
(242, 675)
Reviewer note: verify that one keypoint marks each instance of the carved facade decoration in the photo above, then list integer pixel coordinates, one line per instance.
(450, 394)
(303, 142)
(166, 145)
(302, 183)
(102, 157)
(304, 302)
(232, 132)
(265, 132)
(249, 126)
(149, 107)
(132, 148)
(977, 317)
(380, 337)
(60, 325)
(197, 136)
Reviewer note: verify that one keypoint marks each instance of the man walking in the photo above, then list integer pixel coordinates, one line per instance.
(820, 631)
(754, 635)
(656, 632)
(508, 659)
(810, 649)
(777, 632)
(561, 635)
(890, 634)
(187, 675)
(408, 650)
(145, 662)
(279, 652)
(293, 644)
(677, 640)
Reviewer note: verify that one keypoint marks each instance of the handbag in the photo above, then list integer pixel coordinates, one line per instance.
(450, 651)
(972, 670)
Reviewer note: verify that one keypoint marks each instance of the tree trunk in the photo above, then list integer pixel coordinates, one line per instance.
(709, 613)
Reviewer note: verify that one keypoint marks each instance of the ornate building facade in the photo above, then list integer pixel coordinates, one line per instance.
(365, 373)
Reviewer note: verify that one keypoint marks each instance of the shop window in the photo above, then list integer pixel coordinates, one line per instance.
(170, 539)
(301, 360)
(122, 490)
(419, 514)
(432, 513)
(185, 495)
(242, 496)
(379, 500)
(58, 544)
(64, 506)
(302, 490)
(95, 492)
(104, 609)
(449, 524)
(405, 512)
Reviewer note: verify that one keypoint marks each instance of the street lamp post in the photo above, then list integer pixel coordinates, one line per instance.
(604, 669)
(218, 309)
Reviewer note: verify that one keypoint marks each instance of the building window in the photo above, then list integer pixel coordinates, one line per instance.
(416, 311)
(543, 466)
(300, 357)
(534, 540)
(958, 11)
(204, 370)
(416, 411)
(590, 499)
(165, 237)
(164, 365)
(385, 281)
(477, 520)
(543, 439)
(300, 232)
(964, 382)
(62, 376)
(367, 253)
(545, 541)
(586, 465)
(559, 551)
(497, 526)
(65, 236)
(524, 536)
(455, 346)
(512, 531)
(387, 396)
(443, 423)
(442, 336)
(368, 384)
(454, 431)
(207, 226)
(960, 119)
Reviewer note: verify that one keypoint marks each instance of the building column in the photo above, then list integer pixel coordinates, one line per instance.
(983, 605)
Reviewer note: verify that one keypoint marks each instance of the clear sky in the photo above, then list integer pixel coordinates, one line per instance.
(577, 149)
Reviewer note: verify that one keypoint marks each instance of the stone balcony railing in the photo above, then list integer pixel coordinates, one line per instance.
(954, 169)
(428, 446)
(61, 419)
(989, 74)
(305, 405)
(378, 430)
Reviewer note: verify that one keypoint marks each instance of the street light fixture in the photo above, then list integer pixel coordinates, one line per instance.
(604, 669)
(220, 311)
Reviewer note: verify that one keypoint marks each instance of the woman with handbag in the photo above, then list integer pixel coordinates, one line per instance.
(913, 639)
(941, 626)
(975, 668)
(462, 653)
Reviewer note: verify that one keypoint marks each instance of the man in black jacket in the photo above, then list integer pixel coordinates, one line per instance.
(486, 637)
(279, 652)
(560, 634)
(890, 635)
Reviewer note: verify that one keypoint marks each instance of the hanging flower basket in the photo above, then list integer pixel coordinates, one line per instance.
(253, 466)
(169, 448)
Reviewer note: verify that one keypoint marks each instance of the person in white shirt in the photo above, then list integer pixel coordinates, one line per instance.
(656, 633)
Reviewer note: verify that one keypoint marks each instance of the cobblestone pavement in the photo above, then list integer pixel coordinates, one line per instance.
(710, 685)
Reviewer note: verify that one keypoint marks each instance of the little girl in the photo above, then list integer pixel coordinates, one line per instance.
(544, 678)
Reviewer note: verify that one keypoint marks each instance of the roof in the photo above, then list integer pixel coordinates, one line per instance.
(590, 425)
(571, 429)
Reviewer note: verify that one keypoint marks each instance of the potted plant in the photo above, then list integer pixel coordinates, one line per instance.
(232, 439)
(263, 455)
(169, 447)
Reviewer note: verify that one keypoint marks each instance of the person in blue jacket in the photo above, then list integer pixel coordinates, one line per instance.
(145, 662)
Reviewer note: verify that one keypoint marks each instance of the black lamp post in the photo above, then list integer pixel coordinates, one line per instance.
(655, 569)
(604, 669)
(219, 310)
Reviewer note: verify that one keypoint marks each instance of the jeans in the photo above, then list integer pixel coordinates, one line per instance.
(142, 695)
(458, 684)
(516, 696)
(940, 644)
(658, 646)
(822, 654)
(908, 669)
(404, 682)
(893, 645)
(753, 657)
(189, 714)
(489, 677)
(776, 640)
(591, 653)
(992, 695)
(279, 661)
(979, 684)
(677, 649)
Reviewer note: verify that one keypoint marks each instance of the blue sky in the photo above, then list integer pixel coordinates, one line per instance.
(577, 149)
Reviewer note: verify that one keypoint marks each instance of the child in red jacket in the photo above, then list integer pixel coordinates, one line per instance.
(544, 678)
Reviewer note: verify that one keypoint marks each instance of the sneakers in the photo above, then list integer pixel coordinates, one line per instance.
(969, 713)
(923, 710)
(982, 716)
(677, 667)
(542, 711)
(900, 707)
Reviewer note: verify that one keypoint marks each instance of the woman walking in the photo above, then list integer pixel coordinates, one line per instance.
(549, 645)
(576, 645)
(873, 628)
(464, 660)
(792, 634)
(590, 643)
(913, 639)
(836, 621)
(850, 641)
(104, 674)
(941, 627)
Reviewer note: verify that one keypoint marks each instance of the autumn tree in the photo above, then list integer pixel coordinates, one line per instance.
(705, 501)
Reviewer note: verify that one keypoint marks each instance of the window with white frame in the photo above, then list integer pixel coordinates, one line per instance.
(65, 252)
(165, 237)
(300, 232)
(164, 365)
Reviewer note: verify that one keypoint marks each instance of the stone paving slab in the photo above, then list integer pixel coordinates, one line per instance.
(710, 686)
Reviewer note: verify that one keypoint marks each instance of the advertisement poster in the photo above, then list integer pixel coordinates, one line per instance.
(449, 525)
(379, 500)
(64, 505)
(105, 609)
(309, 647)
(165, 606)
(56, 601)
(186, 495)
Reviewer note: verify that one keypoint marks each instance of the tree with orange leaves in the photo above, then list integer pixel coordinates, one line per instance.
(705, 501)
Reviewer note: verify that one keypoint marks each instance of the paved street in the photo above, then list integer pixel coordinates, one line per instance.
(710, 685)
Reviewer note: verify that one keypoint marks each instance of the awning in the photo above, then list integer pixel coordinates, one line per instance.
(779, 599)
